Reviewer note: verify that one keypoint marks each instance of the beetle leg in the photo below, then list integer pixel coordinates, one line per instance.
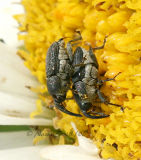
(100, 82)
(63, 109)
(109, 79)
(98, 113)
(94, 117)
(103, 100)
(78, 38)
(100, 47)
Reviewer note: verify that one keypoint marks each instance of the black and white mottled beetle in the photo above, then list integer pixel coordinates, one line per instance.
(86, 85)
(62, 67)
(59, 72)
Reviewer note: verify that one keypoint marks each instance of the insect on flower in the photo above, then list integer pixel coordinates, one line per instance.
(81, 69)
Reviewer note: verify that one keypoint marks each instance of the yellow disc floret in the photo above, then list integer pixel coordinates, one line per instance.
(46, 21)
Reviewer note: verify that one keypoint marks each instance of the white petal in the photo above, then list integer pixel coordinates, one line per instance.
(16, 105)
(8, 27)
(14, 76)
(9, 140)
(8, 120)
(85, 143)
(26, 153)
(66, 152)
(19, 106)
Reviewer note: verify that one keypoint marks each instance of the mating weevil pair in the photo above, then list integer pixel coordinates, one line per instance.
(81, 69)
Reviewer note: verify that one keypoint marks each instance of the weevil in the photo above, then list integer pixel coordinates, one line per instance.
(80, 69)
(86, 84)
(59, 72)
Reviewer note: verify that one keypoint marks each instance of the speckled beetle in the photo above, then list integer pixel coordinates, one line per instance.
(62, 67)
(59, 72)
(86, 85)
